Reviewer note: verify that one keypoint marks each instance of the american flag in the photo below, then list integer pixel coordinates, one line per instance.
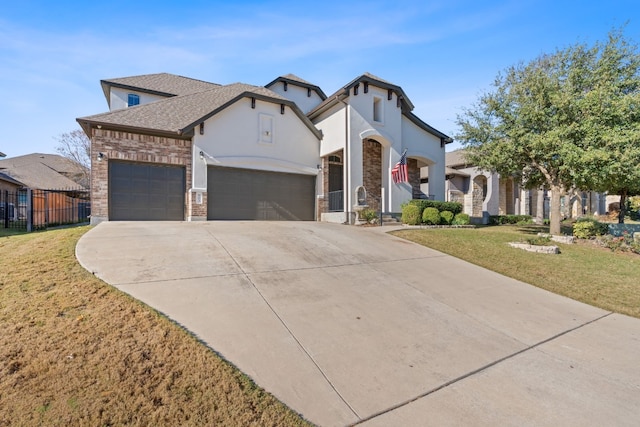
(399, 172)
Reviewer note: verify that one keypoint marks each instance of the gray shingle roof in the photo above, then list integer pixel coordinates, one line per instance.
(407, 106)
(39, 171)
(366, 77)
(56, 162)
(7, 178)
(164, 84)
(456, 158)
(180, 114)
(293, 79)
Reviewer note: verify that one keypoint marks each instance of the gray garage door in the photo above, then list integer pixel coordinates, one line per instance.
(146, 192)
(259, 195)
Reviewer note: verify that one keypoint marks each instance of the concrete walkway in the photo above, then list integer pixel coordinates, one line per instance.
(349, 325)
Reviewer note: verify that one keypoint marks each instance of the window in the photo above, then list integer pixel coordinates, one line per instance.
(133, 99)
(377, 110)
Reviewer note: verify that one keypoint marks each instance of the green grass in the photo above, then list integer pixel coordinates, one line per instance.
(75, 351)
(582, 271)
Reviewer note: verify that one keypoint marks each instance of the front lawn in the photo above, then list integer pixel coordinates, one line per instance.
(74, 351)
(581, 271)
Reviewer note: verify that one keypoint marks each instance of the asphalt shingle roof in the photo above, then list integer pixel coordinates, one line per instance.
(292, 78)
(160, 83)
(366, 77)
(180, 114)
(40, 171)
(7, 178)
(456, 158)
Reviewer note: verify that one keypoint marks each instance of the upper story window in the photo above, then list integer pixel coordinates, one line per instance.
(377, 110)
(133, 99)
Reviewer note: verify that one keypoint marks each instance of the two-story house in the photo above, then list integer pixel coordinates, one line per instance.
(175, 148)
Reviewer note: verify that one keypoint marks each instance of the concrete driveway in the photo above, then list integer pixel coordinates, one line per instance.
(349, 325)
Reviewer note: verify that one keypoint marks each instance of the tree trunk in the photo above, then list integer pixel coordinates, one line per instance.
(540, 206)
(554, 211)
(623, 206)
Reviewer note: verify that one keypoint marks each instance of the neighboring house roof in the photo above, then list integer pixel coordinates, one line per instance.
(7, 178)
(162, 84)
(449, 172)
(180, 114)
(40, 171)
(295, 80)
(456, 158)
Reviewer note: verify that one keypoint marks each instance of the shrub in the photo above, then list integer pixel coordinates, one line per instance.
(431, 216)
(587, 227)
(411, 214)
(461, 219)
(446, 217)
(454, 207)
(510, 219)
(369, 215)
(539, 240)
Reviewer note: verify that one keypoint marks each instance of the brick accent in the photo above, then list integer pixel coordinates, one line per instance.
(137, 148)
(198, 211)
(372, 172)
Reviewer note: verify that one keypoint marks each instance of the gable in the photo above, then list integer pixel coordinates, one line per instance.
(160, 85)
(179, 115)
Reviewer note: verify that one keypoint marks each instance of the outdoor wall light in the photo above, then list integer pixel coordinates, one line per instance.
(202, 128)
(202, 155)
(101, 156)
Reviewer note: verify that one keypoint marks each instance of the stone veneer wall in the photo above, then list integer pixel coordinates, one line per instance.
(478, 195)
(372, 172)
(414, 178)
(135, 147)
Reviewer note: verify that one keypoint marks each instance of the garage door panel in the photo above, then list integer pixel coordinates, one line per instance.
(146, 192)
(245, 194)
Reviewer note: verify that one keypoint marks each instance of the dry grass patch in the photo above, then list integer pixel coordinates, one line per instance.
(75, 351)
(582, 272)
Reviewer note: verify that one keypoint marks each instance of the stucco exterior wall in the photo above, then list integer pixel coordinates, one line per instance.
(255, 138)
(332, 124)
(299, 95)
(384, 123)
(119, 97)
(426, 148)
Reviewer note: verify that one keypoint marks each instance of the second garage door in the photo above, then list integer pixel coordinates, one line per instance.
(245, 194)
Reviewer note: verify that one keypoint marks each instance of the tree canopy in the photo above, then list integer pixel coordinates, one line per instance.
(570, 119)
(76, 146)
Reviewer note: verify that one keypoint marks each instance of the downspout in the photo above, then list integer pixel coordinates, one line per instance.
(347, 162)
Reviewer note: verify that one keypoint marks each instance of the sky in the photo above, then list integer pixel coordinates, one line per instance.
(444, 54)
